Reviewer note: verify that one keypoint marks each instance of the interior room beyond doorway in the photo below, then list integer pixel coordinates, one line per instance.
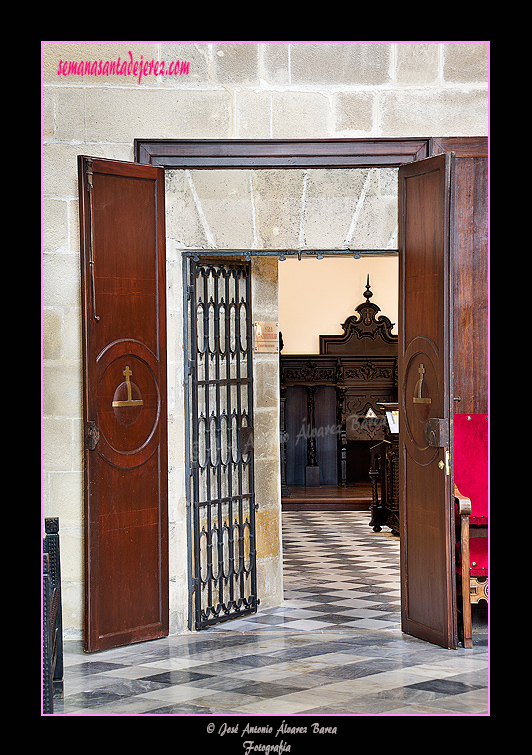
(316, 296)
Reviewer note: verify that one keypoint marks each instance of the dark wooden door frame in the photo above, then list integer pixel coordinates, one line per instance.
(302, 153)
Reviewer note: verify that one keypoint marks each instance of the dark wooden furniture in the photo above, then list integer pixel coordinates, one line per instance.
(52, 652)
(331, 400)
(384, 473)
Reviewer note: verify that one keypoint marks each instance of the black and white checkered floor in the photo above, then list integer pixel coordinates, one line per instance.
(334, 648)
(338, 574)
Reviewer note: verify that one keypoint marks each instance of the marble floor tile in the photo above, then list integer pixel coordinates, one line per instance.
(334, 648)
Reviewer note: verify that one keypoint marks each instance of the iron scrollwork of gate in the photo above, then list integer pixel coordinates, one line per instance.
(220, 441)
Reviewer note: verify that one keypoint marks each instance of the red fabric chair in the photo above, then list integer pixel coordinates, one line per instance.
(472, 508)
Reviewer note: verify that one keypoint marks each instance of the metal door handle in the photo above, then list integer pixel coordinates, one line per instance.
(445, 464)
(417, 399)
(130, 401)
(91, 238)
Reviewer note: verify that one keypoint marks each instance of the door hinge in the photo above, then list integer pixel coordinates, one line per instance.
(92, 435)
(88, 174)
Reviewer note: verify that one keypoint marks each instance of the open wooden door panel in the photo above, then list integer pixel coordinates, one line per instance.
(124, 352)
(426, 510)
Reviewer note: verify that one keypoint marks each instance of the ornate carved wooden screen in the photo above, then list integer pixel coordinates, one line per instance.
(366, 334)
(220, 441)
(338, 395)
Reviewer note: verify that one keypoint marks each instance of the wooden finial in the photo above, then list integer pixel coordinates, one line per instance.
(367, 293)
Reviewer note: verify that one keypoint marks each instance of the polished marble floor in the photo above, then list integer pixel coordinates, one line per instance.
(334, 649)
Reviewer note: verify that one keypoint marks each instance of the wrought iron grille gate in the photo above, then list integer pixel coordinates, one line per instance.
(220, 441)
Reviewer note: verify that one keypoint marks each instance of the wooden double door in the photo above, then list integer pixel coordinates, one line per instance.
(442, 361)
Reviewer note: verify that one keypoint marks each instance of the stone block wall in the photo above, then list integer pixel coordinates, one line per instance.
(98, 97)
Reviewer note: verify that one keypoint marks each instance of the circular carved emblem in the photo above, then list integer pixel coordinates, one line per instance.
(128, 405)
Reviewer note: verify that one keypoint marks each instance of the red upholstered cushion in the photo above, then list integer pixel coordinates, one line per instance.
(471, 462)
(478, 557)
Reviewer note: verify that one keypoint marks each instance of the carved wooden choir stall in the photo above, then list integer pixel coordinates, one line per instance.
(331, 402)
(384, 473)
